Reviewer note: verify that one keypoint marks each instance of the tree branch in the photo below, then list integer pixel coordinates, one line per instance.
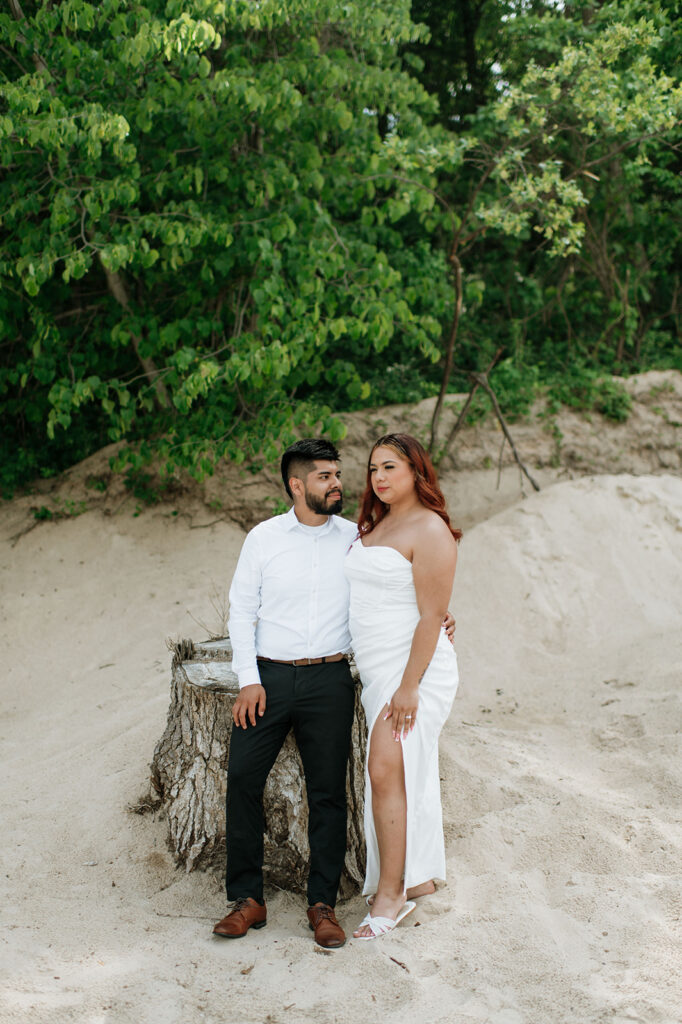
(482, 380)
(460, 419)
(18, 15)
(118, 290)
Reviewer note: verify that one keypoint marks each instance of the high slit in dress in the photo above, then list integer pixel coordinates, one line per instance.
(383, 618)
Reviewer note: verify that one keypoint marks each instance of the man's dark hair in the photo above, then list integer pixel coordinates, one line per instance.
(300, 457)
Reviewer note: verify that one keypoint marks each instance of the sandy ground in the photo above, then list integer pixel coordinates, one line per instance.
(560, 765)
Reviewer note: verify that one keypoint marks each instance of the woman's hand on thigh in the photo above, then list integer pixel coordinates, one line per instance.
(402, 710)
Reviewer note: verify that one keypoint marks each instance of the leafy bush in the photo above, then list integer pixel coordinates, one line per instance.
(586, 390)
(612, 400)
(398, 383)
(516, 387)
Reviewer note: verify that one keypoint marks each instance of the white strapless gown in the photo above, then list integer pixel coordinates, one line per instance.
(383, 617)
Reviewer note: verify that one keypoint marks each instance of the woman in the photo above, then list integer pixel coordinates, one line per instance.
(401, 570)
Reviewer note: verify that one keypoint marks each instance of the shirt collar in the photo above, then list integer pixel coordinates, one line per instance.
(290, 522)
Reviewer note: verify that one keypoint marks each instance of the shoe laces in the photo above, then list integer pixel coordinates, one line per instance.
(240, 903)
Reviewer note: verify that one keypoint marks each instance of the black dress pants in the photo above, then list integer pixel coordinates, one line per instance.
(317, 701)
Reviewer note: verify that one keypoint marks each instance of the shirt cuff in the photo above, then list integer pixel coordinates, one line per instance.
(249, 677)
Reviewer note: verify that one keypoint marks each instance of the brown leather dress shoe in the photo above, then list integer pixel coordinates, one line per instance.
(328, 931)
(246, 913)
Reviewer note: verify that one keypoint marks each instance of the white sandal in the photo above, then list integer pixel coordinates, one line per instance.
(383, 925)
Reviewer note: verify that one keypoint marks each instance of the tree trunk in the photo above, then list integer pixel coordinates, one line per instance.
(189, 777)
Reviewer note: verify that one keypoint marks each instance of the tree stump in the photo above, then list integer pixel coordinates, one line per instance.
(189, 776)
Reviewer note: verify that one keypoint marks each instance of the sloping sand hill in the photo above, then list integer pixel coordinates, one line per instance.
(560, 764)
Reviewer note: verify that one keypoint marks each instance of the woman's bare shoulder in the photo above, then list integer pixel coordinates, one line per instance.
(430, 529)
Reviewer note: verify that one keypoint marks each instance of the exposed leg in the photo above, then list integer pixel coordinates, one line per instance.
(423, 889)
(389, 808)
(414, 892)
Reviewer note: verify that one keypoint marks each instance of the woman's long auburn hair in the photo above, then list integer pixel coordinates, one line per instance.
(373, 509)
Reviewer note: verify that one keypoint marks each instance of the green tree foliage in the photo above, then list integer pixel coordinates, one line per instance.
(529, 166)
(184, 257)
(572, 117)
(220, 220)
(468, 44)
(614, 303)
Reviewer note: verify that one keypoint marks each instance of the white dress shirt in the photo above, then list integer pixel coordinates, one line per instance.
(289, 595)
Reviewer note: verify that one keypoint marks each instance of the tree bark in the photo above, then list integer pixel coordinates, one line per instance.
(189, 777)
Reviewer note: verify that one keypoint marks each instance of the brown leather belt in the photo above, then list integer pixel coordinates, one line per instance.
(304, 661)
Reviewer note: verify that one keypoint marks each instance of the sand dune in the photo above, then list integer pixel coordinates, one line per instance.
(560, 765)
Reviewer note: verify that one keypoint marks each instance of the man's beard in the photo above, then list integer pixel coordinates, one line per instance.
(323, 506)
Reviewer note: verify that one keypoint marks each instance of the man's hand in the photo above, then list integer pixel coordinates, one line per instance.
(449, 627)
(251, 701)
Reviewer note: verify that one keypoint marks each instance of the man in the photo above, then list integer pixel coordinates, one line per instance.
(289, 630)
